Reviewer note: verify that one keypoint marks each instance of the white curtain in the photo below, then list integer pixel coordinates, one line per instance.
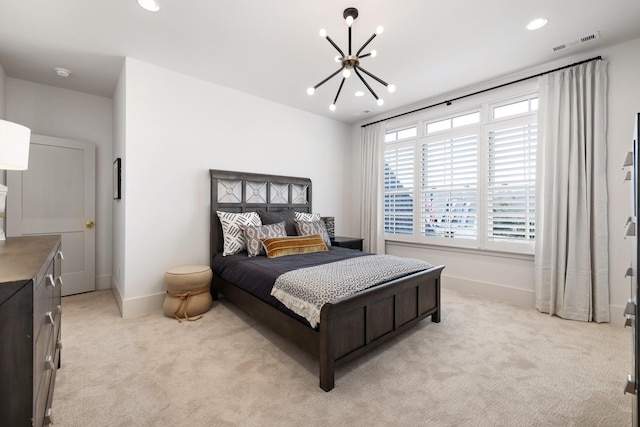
(372, 188)
(572, 259)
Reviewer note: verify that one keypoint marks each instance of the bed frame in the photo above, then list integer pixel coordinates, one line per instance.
(348, 327)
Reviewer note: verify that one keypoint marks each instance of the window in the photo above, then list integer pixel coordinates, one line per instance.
(511, 181)
(398, 184)
(513, 108)
(449, 187)
(453, 122)
(398, 134)
(471, 174)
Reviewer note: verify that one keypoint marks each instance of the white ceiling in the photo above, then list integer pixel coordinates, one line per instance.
(272, 49)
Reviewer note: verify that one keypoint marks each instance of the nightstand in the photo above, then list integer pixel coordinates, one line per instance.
(347, 242)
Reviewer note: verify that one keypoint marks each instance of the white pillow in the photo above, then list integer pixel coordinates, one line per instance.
(308, 217)
(234, 240)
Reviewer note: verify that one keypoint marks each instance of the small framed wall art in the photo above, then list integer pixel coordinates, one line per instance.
(117, 179)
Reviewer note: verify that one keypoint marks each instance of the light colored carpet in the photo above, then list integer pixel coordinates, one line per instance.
(486, 364)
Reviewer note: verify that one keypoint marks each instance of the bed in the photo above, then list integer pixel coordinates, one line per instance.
(348, 327)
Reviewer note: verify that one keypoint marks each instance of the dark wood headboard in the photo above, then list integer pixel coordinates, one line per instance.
(246, 192)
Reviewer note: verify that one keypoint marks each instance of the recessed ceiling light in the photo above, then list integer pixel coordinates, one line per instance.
(359, 93)
(150, 5)
(62, 72)
(537, 24)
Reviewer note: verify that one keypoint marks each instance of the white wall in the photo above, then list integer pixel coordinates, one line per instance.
(176, 129)
(511, 278)
(63, 113)
(118, 206)
(3, 79)
(624, 103)
(2, 116)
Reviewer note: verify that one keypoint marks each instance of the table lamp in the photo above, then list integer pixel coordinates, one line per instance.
(14, 155)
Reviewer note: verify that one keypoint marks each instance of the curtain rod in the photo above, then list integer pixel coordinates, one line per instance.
(449, 101)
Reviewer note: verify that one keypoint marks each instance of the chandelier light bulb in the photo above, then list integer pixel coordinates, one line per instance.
(311, 91)
(349, 20)
(374, 53)
(346, 74)
(323, 33)
(379, 30)
(338, 59)
(380, 101)
(391, 88)
(332, 107)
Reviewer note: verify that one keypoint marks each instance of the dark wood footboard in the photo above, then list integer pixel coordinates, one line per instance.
(356, 324)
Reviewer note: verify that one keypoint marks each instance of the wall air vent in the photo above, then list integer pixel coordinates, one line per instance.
(580, 40)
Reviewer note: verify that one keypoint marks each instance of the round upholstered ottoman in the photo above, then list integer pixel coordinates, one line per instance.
(188, 294)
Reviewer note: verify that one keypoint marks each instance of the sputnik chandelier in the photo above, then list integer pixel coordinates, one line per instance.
(352, 61)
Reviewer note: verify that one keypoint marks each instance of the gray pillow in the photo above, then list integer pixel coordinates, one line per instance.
(313, 227)
(288, 217)
(253, 234)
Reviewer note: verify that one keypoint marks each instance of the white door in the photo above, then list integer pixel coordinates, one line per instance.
(56, 195)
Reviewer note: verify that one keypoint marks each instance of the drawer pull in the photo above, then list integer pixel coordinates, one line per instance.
(49, 317)
(60, 255)
(629, 272)
(630, 230)
(630, 309)
(59, 309)
(52, 282)
(58, 345)
(59, 279)
(48, 363)
(48, 417)
(630, 387)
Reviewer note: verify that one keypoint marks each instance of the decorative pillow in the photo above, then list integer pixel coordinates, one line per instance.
(303, 216)
(275, 217)
(330, 223)
(234, 241)
(253, 234)
(313, 227)
(290, 245)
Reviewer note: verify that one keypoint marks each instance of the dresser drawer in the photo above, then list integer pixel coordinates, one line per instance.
(41, 397)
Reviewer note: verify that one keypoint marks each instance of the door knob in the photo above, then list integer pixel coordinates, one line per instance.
(89, 224)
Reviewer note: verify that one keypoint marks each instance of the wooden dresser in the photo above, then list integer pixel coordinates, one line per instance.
(30, 314)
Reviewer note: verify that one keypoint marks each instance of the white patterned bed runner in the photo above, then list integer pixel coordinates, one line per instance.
(306, 290)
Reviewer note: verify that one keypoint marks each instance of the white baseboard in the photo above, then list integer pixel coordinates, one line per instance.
(524, 297)
(517, 296)
(136, 307)
(617, 315)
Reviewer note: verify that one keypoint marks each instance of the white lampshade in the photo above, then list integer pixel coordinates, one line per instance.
(14, 146)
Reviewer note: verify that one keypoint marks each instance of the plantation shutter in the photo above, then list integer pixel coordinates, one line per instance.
(398, 189)
(511, 173)
(449, 193)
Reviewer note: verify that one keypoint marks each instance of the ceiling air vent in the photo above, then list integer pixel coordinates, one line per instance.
(583, 39)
